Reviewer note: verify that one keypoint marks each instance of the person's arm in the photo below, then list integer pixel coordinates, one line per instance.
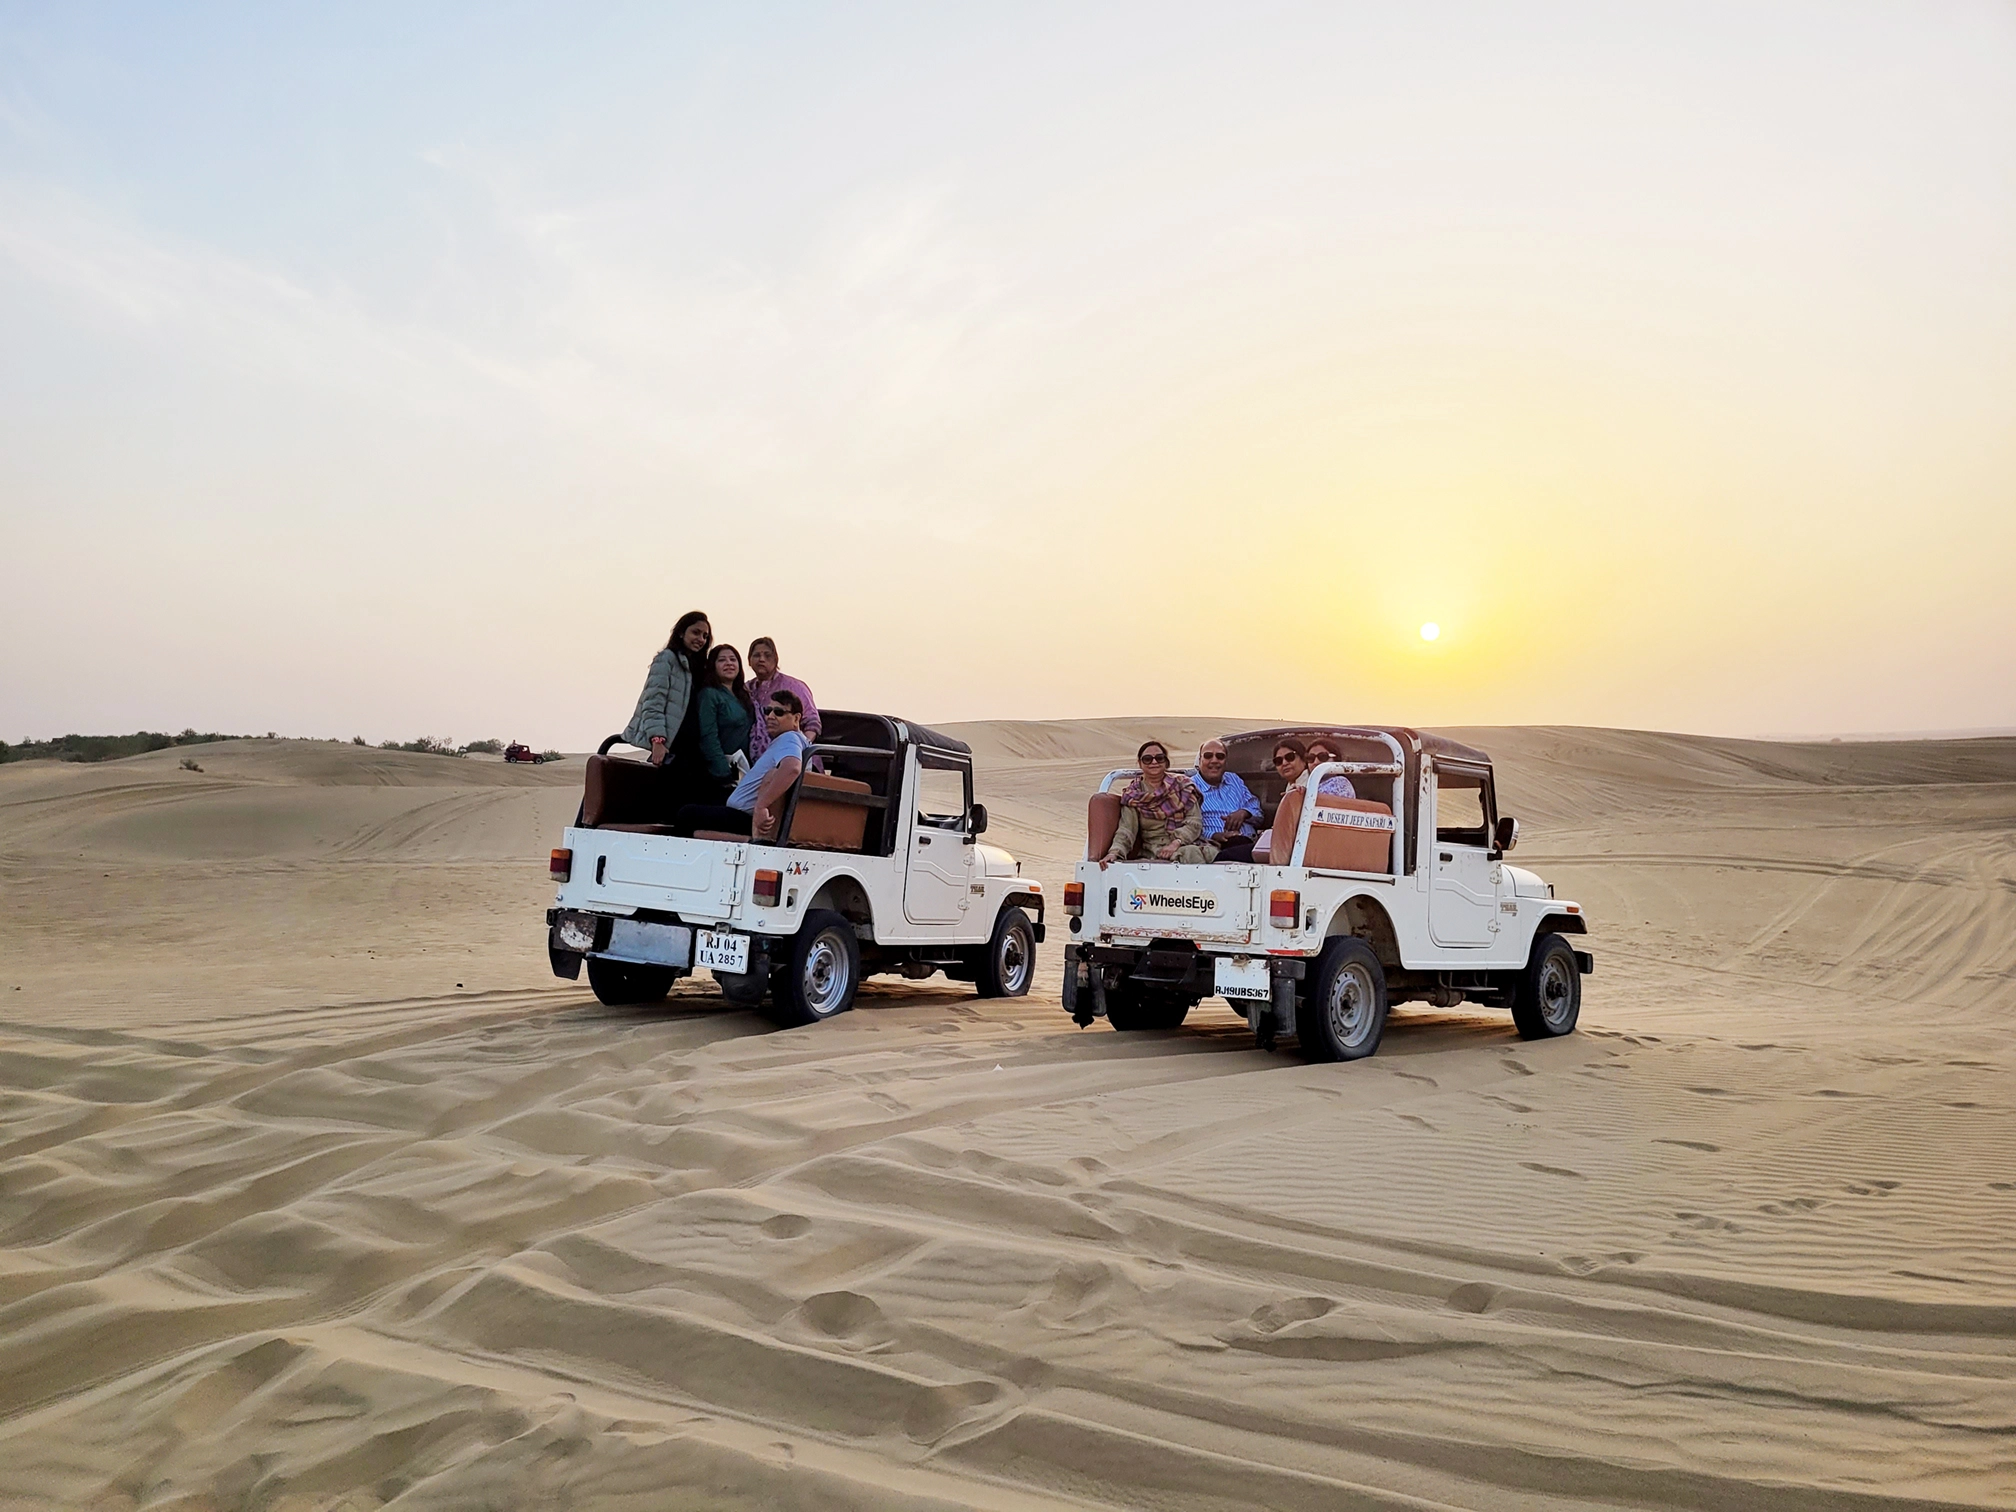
(1126, 835)
(1186, 831)
(1250, 804)
(770, 797)
(809, 722)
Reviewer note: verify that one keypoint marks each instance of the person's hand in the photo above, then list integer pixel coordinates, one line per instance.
(1106, 861)
(1168, 852)
(659, 750)
(765, 825)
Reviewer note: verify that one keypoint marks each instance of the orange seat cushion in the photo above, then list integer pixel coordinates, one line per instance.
(1102, 820)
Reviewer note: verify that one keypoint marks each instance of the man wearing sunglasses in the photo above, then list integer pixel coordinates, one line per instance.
(1231, 812)
(753, 808)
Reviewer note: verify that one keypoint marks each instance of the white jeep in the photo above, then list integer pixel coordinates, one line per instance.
(1401, 893)
(876, 866)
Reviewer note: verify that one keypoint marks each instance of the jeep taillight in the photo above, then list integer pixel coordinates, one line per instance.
(1283, 908)
(768, 885)
(1074, 898)
(562, 865)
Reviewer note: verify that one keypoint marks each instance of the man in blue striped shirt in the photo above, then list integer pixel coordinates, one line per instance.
(1231, 812)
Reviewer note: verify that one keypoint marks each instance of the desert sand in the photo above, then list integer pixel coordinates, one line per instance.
(318, 1190)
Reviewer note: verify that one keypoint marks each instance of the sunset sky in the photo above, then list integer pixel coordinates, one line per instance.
(388, 370)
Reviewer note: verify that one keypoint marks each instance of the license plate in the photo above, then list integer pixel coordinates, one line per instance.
(718, 950)
(1237, 977)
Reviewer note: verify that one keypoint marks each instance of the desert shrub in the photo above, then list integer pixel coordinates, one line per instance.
(357, 740)
(424, 745)
(106, 747)
(189, 764)
(485, 747)
(552, 755)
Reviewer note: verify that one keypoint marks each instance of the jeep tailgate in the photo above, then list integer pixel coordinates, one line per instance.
(620, 872)
(1213, 904)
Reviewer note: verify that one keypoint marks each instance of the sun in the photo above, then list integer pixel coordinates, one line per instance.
(1431, 631)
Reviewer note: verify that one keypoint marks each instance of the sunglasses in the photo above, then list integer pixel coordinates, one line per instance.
(780, 713)
(1286, 758)
(1154, 761)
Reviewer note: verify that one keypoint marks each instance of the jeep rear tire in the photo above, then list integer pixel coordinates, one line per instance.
(1130, 1008)
(1008, 964)
(1343, 1015)
(744, 989)
(1548, 998)
(618, 982)
(824, 972)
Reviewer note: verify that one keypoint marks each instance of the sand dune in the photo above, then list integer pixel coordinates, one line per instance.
(317, 1190)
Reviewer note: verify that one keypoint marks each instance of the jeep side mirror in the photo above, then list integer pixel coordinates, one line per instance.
(976, 819)
(1506, 835)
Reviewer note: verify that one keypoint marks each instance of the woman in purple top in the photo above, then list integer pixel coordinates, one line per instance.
(765, 679)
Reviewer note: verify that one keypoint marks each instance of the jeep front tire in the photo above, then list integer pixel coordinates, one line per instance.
(1008, 963)
(1547, 1000)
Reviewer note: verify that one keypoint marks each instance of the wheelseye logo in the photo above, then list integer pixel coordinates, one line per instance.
(1152, 900)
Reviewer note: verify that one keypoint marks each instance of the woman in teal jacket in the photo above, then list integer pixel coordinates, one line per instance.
(726, 717)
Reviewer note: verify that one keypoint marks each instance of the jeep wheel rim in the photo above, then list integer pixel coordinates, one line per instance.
(1014, 961)
(1557, 991)
(1350, 1007)
(825, 976)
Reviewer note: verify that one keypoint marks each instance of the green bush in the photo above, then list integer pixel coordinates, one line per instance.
(484, 748)
(106, 747)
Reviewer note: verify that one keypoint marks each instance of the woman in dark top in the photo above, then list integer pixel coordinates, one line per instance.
(726, 717)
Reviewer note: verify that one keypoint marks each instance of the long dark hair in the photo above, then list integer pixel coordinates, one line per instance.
(687, 620)
(711, 678)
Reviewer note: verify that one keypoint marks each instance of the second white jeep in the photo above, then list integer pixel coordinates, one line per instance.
(1401, 892)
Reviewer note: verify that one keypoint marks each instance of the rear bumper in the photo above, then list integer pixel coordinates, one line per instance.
(1091, 967)
(573, 936)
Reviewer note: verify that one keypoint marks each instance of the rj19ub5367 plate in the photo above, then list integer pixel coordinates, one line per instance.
(1236, 979)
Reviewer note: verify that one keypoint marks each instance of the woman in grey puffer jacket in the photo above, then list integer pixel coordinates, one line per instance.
(664, 723)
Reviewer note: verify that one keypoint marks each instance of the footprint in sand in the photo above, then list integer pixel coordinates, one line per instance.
(1547, 1170)
(786, 1225)
(1275, 1316)
(1420, 1122)
(1692, 1144)
(1512, 1065)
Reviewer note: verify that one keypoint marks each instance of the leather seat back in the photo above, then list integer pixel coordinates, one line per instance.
(1102, 819)
(617, 791)
(1346, 834)
(823, 824)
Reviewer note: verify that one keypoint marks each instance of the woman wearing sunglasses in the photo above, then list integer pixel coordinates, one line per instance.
(1336, 785)
(1291, 764)
(1161, 816)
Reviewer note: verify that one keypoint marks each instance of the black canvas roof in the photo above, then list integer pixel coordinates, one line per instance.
(925, 735)
(1434, 745)
(850, 727)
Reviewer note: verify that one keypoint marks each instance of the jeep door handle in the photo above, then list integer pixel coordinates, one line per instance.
(1446, 856)
(923, 839)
